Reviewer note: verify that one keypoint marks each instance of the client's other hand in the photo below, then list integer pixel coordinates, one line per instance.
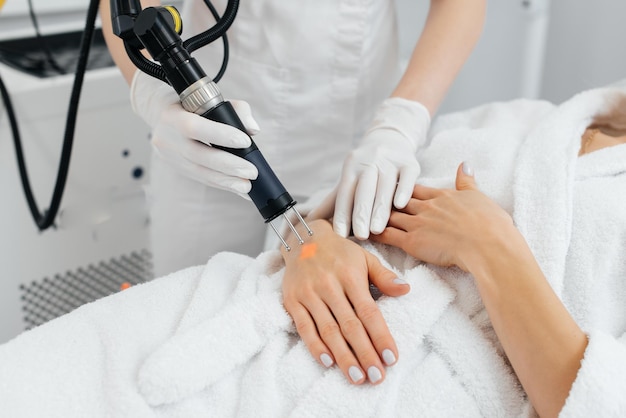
(326, 292)
(446, 227)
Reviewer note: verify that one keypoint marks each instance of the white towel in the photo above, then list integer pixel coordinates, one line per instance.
(215, 340)
(255, 353)
(84, 363)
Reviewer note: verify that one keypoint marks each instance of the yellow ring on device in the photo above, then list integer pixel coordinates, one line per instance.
(178, 22)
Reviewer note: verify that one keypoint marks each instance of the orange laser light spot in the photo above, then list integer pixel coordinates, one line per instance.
(124, 286)
(308, 250)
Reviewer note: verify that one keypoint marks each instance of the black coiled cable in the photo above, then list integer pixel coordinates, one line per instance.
(216, 31)
(46, 219)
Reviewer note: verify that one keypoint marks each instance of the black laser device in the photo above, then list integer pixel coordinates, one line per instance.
(158, 29)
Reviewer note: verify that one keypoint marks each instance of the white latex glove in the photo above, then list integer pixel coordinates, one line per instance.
(382, 169)
(183, 139)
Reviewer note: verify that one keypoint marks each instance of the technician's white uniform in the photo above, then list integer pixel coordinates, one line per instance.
(313, 72)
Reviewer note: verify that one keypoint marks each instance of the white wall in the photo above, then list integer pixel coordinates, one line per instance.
(547, 49)
(497, 69)
(586, 46)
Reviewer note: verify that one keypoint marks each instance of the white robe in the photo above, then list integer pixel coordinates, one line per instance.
(215, 340)
(314, 72)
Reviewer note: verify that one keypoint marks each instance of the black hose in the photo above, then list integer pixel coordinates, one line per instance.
(46, 219)
(144, 64)
(216, 31)
(222, 70)
(193, 43)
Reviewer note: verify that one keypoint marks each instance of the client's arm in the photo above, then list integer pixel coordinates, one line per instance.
(465, 228)
(326, 292)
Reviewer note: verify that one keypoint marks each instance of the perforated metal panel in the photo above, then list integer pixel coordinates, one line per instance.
(50, 297)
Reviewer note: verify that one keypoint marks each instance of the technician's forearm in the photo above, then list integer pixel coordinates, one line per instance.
(541, 339)
(450, 34)
(115, 44)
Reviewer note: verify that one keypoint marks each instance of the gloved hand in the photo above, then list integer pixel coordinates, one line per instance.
(382, 169)
(183, 138)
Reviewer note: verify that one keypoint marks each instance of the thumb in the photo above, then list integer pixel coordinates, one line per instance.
(384, 279)
(245, 114)
(465, 177)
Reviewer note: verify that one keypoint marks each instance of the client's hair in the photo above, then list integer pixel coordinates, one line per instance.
(612, 122)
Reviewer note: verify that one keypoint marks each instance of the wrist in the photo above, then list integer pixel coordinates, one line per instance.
(497, 253)
(406, 117)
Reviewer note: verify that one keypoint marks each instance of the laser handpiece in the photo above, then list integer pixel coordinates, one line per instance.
(158, 29)
(268, 194)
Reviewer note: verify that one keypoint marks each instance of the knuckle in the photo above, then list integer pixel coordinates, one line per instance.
(383, 340)
(289, 302)
(367, 355)
(349, 274)
(304, 328)
(327, 285)
(351, 326)
(368, 312)
(328, 330)
(344, 359)
(426, 206)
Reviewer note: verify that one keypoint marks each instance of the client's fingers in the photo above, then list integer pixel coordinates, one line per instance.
(390, 236)
(351, 322)
(384, 279)
(331, 333)
(412, 208)
(396, 235)
(465, 177)
(378, 334)
(308, 332)
(424, 193)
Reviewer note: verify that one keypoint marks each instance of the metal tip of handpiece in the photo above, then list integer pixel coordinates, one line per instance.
(287, 247)
(308, 230)
(293, 229)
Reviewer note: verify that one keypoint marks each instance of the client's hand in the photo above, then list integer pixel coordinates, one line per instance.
(326, 292)
(446, 227)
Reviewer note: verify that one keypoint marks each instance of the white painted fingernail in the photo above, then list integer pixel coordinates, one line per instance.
(398, 280)
(467, 169)
(388, 357)
(373, 374)
(326, 360)
(355, 374)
